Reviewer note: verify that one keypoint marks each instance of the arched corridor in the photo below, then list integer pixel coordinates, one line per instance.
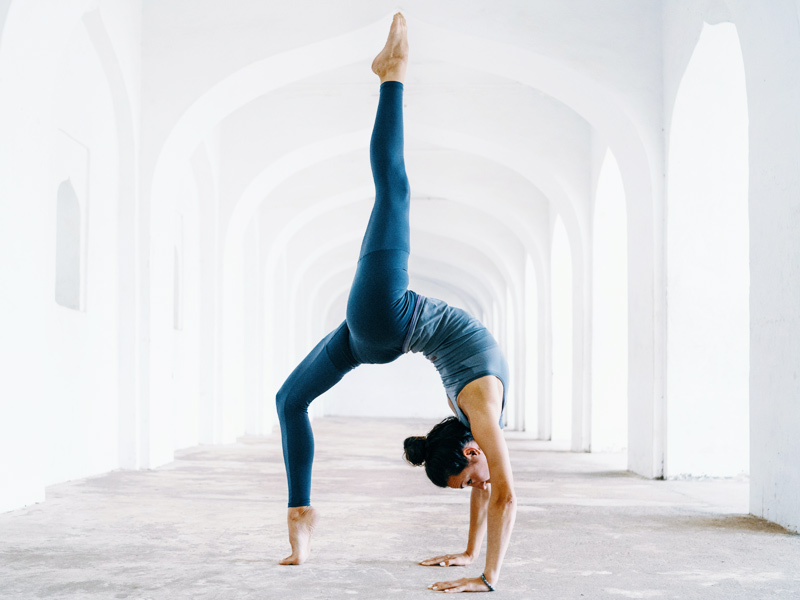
(611, 188)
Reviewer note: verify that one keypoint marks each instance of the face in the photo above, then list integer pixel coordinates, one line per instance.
(476, 473)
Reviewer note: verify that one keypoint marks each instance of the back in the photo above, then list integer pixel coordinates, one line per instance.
(458, 345)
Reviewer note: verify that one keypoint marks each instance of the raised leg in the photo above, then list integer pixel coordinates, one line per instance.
(379, 306)
(388, 227)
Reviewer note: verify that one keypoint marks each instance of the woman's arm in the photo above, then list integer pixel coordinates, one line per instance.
(502, 508)
(478, 505)
(481, 401)
(478, 508)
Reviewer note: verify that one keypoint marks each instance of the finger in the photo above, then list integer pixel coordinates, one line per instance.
(455, 562)
(439, 561)
(444, 585)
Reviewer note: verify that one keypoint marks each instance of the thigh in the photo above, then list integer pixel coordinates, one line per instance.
(319, 371)
(380, 306)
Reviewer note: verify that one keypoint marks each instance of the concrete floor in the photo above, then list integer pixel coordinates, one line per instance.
(211, 525)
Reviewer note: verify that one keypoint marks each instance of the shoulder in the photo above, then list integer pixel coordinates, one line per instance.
(482, 399)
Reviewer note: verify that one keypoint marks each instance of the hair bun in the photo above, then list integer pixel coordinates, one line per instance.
(416, 448)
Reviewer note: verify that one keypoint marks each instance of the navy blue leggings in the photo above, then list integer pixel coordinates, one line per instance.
(379, 307)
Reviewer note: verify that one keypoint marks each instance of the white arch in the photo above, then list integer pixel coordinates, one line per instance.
(332, 268)
(327, 257)
(609, 310)
(268, 180)
(584, 95)
(531, 243)
(420, 224)
(708, 267)
(326, 292)
(590, 99)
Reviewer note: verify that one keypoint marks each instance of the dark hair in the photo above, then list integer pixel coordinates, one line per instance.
(441, 451)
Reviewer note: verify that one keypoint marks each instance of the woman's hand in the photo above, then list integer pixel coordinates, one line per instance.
(467, 584)
(448, 560)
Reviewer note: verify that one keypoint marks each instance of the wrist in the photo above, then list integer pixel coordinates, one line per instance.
(492, 577)
(487, 582)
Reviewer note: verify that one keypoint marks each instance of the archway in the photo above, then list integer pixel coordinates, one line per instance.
(561, 301)
(708, 263)
(610, 311)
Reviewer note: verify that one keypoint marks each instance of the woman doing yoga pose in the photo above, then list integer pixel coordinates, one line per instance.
(385, 320)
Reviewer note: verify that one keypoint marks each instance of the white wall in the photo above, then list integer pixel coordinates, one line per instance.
(770, 43)
(60, 365)
(82, 344)
(771, 49)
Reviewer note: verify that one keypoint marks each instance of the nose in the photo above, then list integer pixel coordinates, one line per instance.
(480, 486)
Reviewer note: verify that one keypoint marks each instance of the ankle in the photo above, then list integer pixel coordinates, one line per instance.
(298, 511)
(396, 73)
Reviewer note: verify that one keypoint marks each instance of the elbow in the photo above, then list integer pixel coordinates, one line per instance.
(506, 499)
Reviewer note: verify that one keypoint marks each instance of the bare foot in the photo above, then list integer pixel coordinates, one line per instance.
(302, 520)
(392, 62)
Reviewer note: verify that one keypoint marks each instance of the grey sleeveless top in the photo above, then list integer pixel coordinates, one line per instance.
(458, 345)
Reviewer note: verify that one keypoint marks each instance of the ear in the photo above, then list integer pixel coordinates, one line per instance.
(470, 451)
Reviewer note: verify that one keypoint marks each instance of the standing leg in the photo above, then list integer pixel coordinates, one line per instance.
(323, 368)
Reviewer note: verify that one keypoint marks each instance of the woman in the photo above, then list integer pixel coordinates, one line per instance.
(384, 320)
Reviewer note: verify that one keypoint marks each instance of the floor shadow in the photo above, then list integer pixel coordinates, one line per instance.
(736, 523)
(611, 474)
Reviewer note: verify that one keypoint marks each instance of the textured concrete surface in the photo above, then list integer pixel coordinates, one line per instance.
(211, 525)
